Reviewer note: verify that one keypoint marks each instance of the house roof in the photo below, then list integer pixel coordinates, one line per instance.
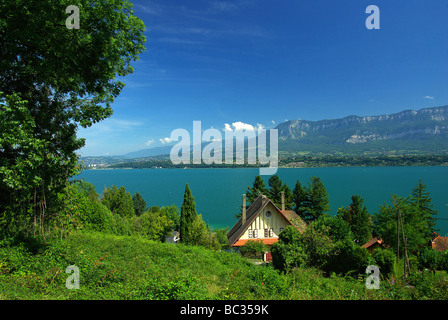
(266, 241)
(251, 213)
(440, 243)
(372, 242)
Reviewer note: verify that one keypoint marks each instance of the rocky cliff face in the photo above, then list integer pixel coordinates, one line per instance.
(408, 124)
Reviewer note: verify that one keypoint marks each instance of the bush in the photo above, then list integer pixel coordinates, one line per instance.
(288, 252)
(253, 249)
(385, 259)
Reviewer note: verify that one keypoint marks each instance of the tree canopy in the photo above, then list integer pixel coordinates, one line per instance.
(52, 80)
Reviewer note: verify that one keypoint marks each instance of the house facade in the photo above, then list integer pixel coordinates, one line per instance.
(262, 221)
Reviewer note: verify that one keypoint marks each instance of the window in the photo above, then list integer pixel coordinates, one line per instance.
(250, 233)
(271, 233)
(265, 233)
(268, 214)
(255, 231)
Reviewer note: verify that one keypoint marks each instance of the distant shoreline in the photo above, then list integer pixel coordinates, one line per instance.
(287, 162)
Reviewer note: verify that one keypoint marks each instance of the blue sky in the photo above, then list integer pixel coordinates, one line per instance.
(262, 62)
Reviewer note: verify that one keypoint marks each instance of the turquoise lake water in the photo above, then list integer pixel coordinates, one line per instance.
(218, 192)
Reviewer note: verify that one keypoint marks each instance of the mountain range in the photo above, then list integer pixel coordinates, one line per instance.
(407, 132)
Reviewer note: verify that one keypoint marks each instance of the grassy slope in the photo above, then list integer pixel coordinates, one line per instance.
(119, 267)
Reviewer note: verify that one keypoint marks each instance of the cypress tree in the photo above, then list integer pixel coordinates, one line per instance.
(188, 215)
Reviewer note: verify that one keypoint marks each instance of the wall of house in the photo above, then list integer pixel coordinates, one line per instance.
(276, 221)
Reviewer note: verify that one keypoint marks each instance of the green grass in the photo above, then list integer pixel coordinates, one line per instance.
(124, 267)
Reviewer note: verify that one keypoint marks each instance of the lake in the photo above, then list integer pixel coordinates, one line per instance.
(218, 192)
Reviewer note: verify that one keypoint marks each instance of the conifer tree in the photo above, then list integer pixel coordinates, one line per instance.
(358, 219)
(317, 202)
(188, 215)
(258, 188)
(276, 187)
(421, 199)
(299, 198)
(139, 204)
(288, 197)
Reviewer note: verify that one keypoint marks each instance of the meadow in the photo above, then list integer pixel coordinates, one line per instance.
(134, 268)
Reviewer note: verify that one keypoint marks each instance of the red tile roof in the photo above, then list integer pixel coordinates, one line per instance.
(440, 243)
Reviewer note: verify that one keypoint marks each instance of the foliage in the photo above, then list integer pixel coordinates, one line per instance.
(299, 197)
(415, 226)
(385, 259)
(433, 259)
(275, 189)
(131, 267)
(421, 199)
(358, 219)
(288, 252)
(53, 79)
(254, 249)
(188, 216)
(258, 188)
(316, 202)
(139, 204)
(118, 201)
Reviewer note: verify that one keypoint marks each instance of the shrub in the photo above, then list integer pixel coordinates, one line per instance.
(253, 249)
(385, 259)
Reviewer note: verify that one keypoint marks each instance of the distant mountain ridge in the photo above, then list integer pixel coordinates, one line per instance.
(425, 130)
(407, 132)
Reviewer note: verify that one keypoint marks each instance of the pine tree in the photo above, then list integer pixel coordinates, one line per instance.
(421, 199)
(276, 187)
(139, 204)
(258, 188)
(288, 197)
(299, 197)
(188, 215)
(317, 202)
(358, 219)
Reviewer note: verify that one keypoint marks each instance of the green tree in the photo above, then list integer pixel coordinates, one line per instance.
(53, 79)
(275, 189)
(258, 188)
(358, 219)
(299, 198)
(316, 202)
(188, 215)
(289, 251)
(139, 204)
(422, 200)
(172, 212)
(254, 249)
(410, 222)
(155, 225)
(118, 201)
(288, 197)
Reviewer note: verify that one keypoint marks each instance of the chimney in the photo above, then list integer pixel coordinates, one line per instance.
(283, 200)
(243, 217)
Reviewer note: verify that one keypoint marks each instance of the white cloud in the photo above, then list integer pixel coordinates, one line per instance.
(429, 97)
(241, 126)
(165, 140)
(272, 121)
(149, 142)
